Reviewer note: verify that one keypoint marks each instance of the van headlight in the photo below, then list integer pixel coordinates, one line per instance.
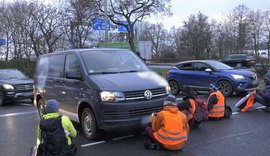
(168, 89)
(8, 87)
(108, 96)
(237, 77)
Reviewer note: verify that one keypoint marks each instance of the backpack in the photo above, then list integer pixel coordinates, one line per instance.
(53, 135)
(201, 111)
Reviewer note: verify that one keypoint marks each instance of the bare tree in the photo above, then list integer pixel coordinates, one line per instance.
(133, 11)
(256, 23)
(196, 35)
(49, 21)
(239, 22)
(266, 30)
(79, 15)
(176, 34)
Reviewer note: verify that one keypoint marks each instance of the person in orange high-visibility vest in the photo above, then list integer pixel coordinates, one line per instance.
(216, 103)
(188, 106)
(169, 128)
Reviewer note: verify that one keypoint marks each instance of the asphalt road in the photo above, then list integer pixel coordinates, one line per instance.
(243, 134)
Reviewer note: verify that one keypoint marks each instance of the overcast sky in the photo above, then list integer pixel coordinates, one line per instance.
(214, 9)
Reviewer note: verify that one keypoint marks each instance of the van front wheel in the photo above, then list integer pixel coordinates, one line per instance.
(89, 124)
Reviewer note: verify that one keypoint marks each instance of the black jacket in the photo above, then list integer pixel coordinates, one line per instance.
(265, 93)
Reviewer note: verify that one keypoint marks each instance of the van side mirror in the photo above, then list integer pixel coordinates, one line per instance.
(208, 70)
(73, 75)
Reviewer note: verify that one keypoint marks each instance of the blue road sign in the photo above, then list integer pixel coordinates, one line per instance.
(2, 41)
(122, 28)
(99, 24)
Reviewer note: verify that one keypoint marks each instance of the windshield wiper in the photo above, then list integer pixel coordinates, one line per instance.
(129, 71)
(104, 72)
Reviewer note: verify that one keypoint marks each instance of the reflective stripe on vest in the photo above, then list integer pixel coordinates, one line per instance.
(176, 132)
(173, 131)
(173, 139)
(218, 108)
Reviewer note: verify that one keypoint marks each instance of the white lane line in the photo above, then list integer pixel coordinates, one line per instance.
(24, 104)
(15, 114)
(93, 143)
(123, 137)
(233, 113)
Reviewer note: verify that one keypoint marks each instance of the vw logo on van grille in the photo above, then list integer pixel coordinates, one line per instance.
(148, 94)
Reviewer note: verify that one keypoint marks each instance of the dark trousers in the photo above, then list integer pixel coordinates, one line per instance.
(150, 134)
(261, 100)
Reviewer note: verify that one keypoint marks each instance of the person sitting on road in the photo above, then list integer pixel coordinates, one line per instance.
(169, 129)
(263, 96)
(260, 96)
(194, 108)
(188, 105)
(216, 103)
(55, 133)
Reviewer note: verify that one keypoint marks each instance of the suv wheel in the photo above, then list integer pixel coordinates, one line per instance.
(175, 88)
(88, 123)
(226, 88)
(2, 101)
(41, 108)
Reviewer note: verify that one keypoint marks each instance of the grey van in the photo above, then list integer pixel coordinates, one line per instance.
(102, 89)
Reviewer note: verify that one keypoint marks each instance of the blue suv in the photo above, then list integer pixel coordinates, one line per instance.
(199, 74)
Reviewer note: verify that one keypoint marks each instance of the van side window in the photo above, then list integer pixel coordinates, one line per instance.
(56, 63)
(72, 63)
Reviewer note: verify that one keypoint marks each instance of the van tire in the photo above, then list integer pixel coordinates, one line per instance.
(89, 124)
(41, 108)
(2, 101)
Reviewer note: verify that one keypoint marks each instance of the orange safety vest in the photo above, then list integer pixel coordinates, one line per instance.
(250, 102)
(191, 110)
(219, 108)
(172, 132)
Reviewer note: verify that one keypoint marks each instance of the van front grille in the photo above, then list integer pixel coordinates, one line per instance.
(137, 95)
(131, 113)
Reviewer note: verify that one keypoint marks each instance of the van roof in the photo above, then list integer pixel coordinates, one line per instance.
(83, 49)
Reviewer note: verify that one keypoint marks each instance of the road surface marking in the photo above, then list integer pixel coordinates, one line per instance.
(15, 114)
(93, 143)
(123, 137)
(235, 113)
(24, 104)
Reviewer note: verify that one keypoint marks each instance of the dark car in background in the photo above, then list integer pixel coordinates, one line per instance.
(199, 74)
(240, 60)
(14, 85)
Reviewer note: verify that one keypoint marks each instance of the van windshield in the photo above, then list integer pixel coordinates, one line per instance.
(112, 61)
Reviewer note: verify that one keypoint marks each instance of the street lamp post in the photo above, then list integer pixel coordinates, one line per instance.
(106, 22)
